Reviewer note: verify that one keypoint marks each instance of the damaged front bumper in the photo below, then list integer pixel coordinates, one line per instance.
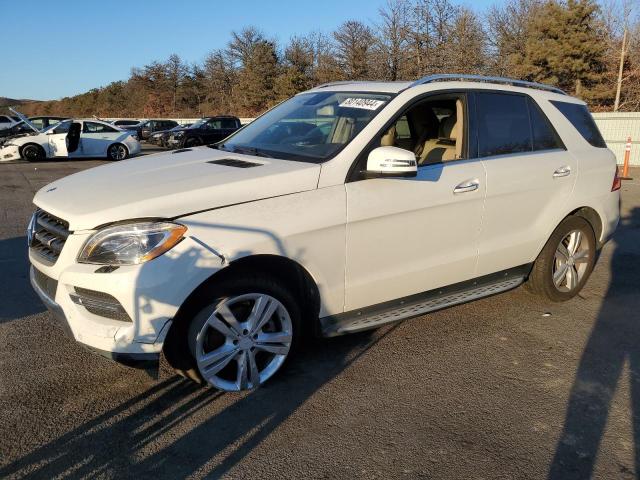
(9, 152)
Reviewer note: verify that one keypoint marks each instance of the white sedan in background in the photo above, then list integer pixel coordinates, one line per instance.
(73, 139)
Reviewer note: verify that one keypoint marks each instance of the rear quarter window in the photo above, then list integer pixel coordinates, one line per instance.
(544, 135)
(582, 120)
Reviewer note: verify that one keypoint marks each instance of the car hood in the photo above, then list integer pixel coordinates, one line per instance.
(170, 185)
(7, 138)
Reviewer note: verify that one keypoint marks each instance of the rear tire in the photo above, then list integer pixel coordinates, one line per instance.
(117, 151)
(33, 153)
(241, 343)
(566, 261)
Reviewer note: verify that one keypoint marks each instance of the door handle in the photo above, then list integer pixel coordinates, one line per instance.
(562, 172)
(468, 186)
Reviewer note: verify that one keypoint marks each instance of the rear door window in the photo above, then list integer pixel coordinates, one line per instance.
(582, 120)
(91, 127)
(503, 124)
(544, 135)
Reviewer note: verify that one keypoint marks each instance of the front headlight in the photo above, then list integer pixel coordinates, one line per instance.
(131, 243)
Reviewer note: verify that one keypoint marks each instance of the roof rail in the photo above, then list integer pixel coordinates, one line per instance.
(480, 78)
(340, 82)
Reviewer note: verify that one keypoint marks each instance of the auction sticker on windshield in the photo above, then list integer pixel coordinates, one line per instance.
(364, 103)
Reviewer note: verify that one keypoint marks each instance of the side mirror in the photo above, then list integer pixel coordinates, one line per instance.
(391, 162)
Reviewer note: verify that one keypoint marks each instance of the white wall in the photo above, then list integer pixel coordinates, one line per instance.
(615, 128)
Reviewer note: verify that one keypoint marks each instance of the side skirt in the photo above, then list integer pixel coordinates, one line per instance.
(421, 303)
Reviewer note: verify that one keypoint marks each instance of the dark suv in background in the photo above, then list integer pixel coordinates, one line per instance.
(147, 127)
(205, 131)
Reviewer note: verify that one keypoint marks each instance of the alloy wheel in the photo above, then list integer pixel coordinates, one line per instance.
(571, 261)
(244, 341)
(31, 153)
(118, 152)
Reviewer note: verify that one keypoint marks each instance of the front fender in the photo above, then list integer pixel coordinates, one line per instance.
(306, 227)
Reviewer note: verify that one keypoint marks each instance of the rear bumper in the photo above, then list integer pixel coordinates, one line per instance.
(138, 360)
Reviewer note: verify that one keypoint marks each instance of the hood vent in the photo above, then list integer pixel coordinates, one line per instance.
(180, 150)
(234, 162)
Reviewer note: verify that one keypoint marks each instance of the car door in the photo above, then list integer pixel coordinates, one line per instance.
(227, 127)
(410, 235)
(215, 132)
(57, 139)
(530, 176)
(96, 138)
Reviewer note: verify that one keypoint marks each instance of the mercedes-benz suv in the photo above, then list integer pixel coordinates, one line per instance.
(347, 207)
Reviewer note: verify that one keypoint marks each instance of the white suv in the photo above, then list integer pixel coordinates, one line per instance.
(347, 207)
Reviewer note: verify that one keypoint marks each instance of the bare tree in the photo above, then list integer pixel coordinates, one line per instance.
(392, 40)
(353, 45)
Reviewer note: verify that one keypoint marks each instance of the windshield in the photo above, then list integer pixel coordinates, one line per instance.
(311, 127)
(199, 123)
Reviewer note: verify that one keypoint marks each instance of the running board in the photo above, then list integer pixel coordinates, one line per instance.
(401, 309)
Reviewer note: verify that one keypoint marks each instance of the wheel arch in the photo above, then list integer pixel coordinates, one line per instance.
(290, 273)
(586, 212)
(591, 216)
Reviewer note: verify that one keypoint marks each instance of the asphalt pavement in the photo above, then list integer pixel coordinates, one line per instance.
(506, 387)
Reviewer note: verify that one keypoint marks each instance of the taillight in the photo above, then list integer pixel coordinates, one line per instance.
(617, 183)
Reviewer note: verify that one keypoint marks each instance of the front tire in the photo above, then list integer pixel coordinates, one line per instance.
(242, 333)
(192, 142)
(117, 151)
(33, 153)
(566, 261)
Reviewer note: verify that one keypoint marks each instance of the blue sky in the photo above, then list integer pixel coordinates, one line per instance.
(55, 49)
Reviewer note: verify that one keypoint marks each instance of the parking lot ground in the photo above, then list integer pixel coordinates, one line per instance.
(147, 149)
(510, 386)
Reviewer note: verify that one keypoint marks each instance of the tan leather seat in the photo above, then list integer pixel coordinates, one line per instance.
(448, 145)
(342, 130)
(443, 148)
(389, 138)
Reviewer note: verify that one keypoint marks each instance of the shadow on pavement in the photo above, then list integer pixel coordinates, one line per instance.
(18, 298)
(613, 342)
(127, 438)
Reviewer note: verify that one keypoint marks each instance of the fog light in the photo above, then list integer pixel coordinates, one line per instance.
(100, 303)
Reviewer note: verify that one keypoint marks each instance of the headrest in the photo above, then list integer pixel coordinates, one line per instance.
(448, 128)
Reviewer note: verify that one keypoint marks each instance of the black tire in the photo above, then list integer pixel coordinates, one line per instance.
(117, 152)
(179, 345)
(33, 153)
(541, 279)
(192, 142)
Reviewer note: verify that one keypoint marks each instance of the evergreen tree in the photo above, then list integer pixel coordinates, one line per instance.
(566, 47)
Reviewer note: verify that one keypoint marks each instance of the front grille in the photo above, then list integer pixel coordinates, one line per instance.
(47, 236)
(101, 304)
(47, 284)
